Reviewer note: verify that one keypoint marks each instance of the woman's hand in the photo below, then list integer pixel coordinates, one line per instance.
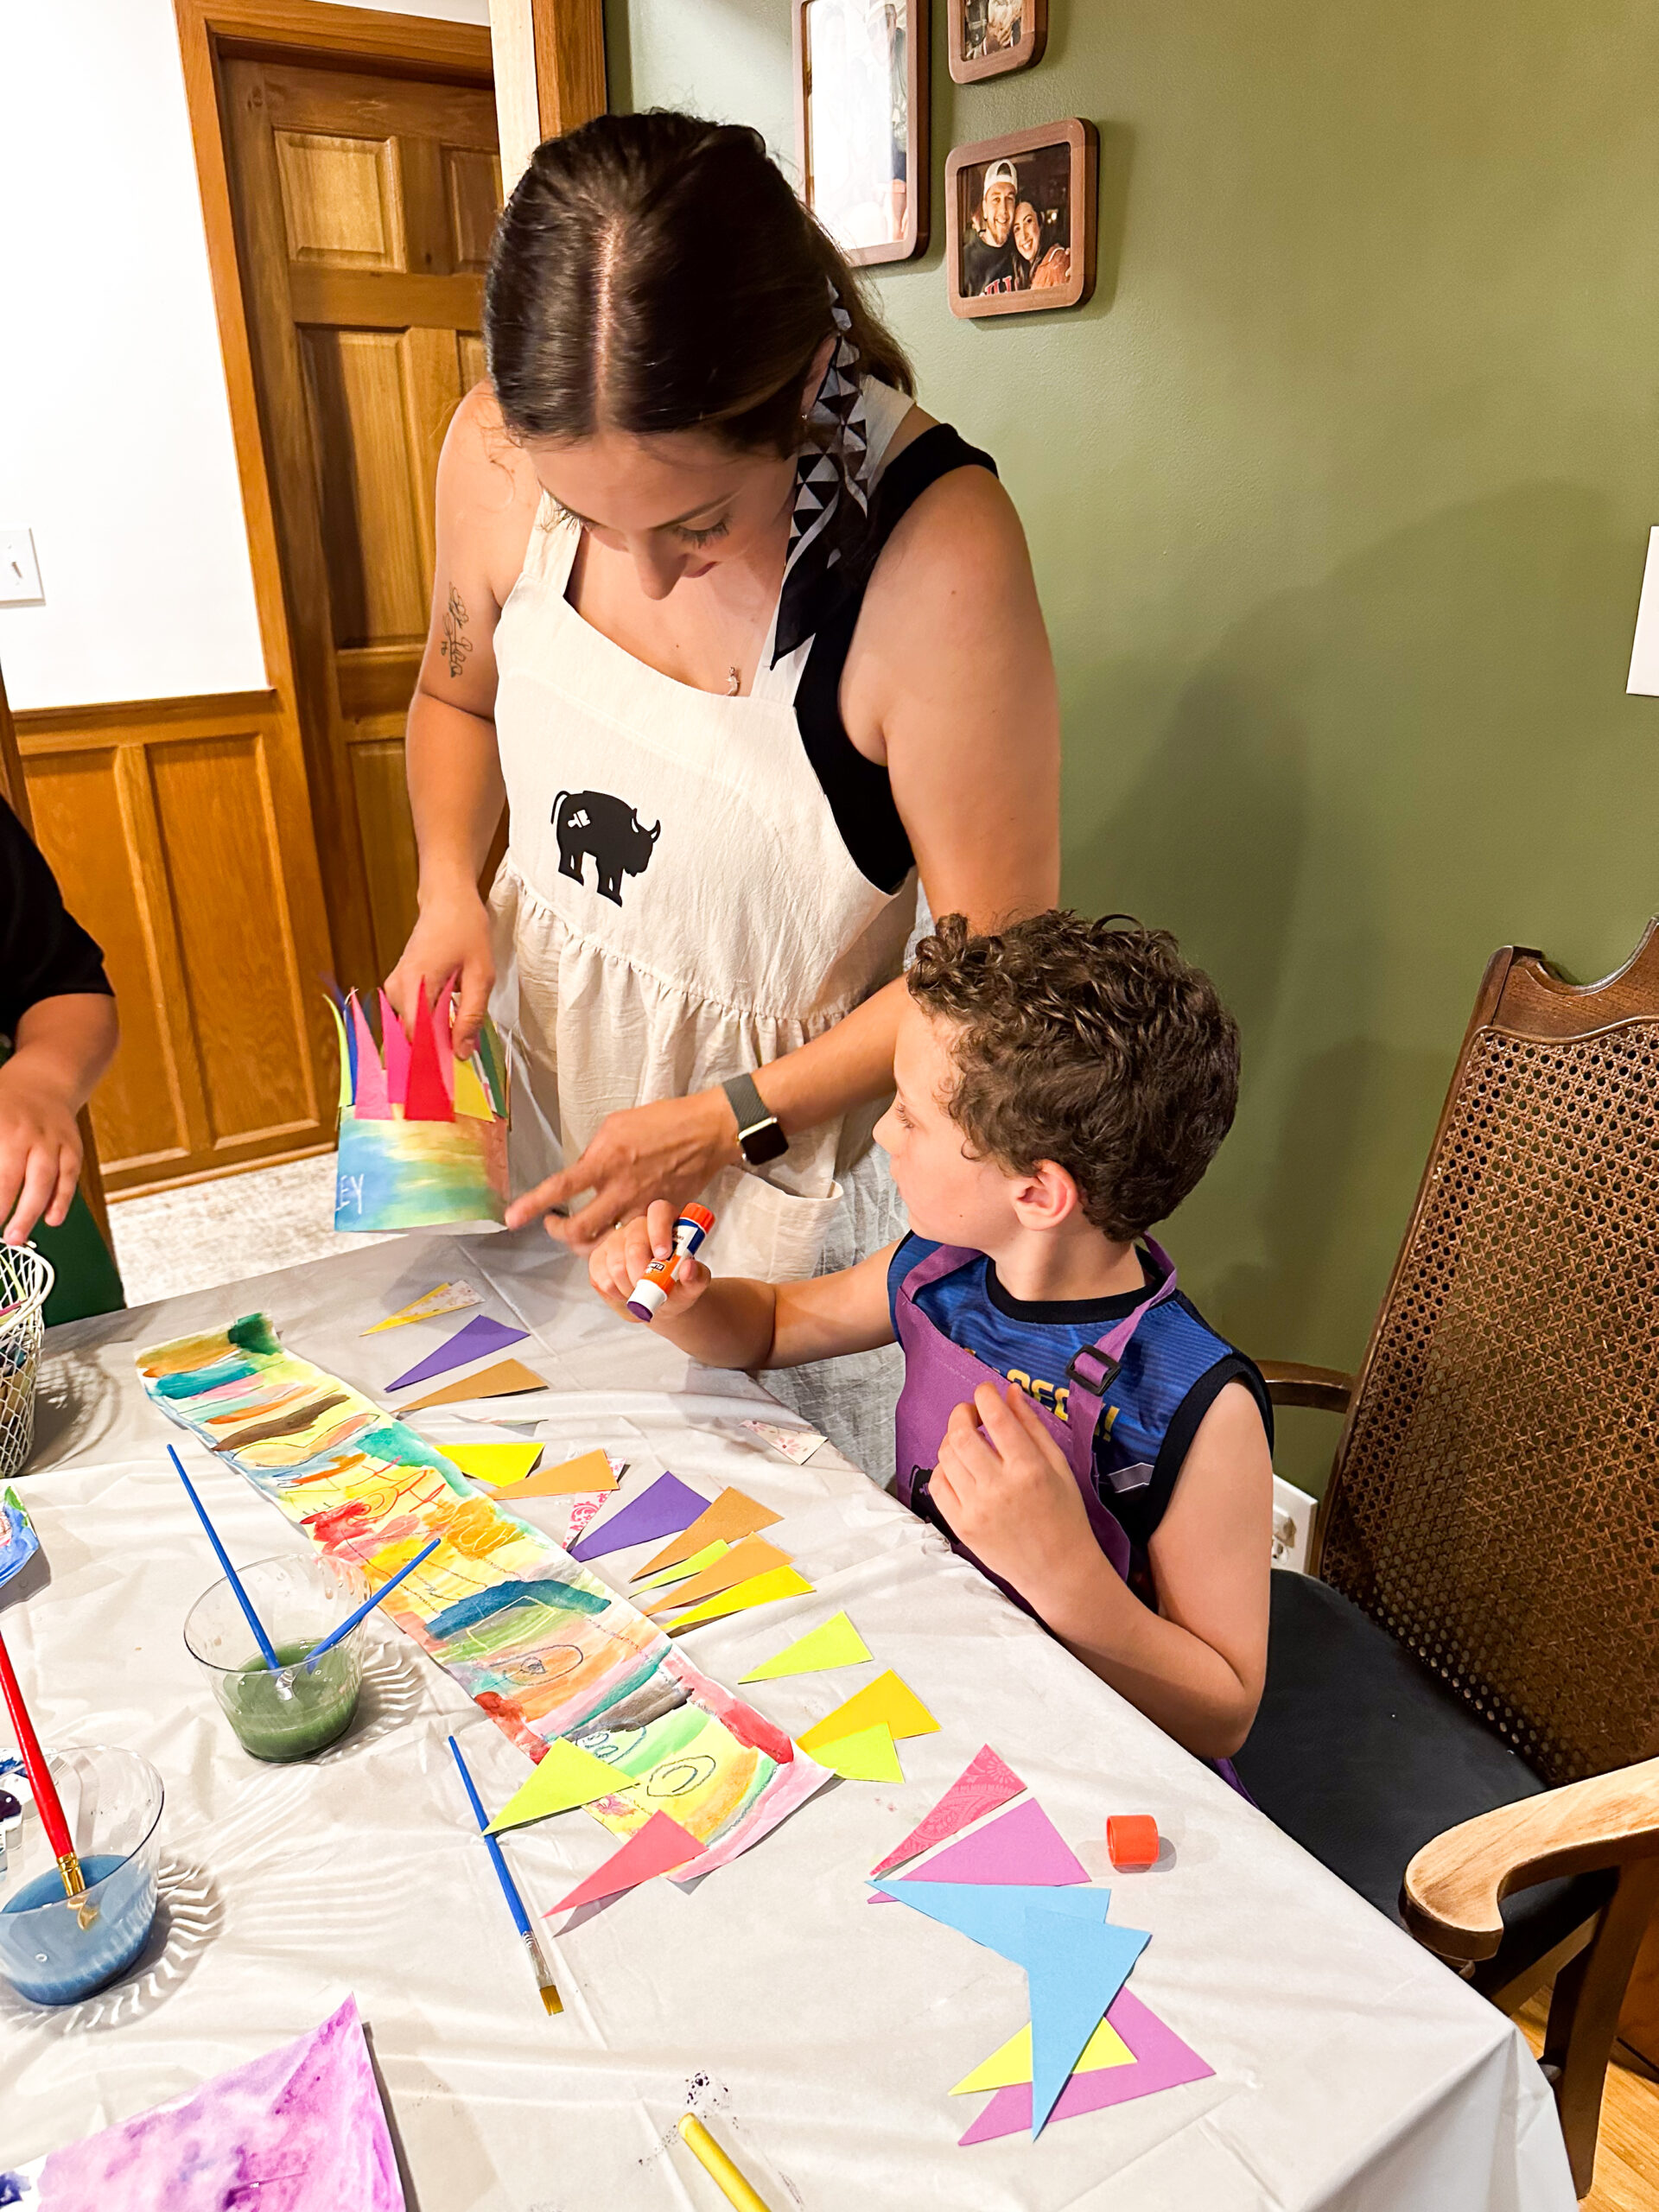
(617, 1262)
(1003, 1485)
(452, 937)
(667, 1150)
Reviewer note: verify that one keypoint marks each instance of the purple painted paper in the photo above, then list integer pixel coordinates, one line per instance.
(300, 2130)
(480, 1335)
(983, 1784)
(1024, 1846)
(1162, 2060)
(662, 1510)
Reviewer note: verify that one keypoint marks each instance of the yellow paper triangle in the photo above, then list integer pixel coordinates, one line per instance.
(565, 1776)
(684, 1569)
(867, 1755)
(1006, 2068)
(886, 1700)
(835, 1643)
(471, 1097)
(494, 1463)
(758, 1590)
(743, 1563)
(447, 1297)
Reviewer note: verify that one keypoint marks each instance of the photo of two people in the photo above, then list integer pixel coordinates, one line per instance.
(1016, 227)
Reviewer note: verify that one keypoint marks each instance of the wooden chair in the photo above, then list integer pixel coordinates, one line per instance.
(1462, 1710)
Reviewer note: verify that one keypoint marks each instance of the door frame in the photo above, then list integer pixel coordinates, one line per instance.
(363, 39)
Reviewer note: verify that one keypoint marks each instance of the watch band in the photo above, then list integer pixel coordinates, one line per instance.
(758, 1132)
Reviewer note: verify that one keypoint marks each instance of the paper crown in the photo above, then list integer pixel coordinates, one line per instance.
(422, 1135)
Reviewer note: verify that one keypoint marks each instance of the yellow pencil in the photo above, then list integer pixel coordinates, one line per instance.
(707, 2153)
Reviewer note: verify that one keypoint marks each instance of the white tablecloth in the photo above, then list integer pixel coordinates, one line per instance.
(819, 2035)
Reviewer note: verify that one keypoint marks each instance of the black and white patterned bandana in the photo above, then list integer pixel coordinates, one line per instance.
(831, 516)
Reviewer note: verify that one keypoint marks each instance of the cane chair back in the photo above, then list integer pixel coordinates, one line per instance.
(1495, 1501)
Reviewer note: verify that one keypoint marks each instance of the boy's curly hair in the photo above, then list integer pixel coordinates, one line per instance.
(1091, 1044)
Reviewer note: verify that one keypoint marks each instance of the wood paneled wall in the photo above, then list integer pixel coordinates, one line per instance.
(180, 832)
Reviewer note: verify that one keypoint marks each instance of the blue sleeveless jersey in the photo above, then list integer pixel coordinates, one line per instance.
(1174, 1366)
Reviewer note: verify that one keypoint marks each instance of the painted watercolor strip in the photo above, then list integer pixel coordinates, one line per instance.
(534, 1637)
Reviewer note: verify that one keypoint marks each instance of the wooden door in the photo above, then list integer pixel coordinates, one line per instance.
(364, 207)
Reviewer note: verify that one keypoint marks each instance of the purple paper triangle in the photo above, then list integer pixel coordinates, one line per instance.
(480, 1335)
(1023, 1845)
(1162, 2060)
(662, 1510)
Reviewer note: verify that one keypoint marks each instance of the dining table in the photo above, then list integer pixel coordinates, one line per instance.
(818, 2039)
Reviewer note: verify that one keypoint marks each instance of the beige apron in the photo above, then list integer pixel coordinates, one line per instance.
(677, 905)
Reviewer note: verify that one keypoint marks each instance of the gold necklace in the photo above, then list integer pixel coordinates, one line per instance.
(733, 683)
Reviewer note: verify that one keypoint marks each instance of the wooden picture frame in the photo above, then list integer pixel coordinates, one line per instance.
(872, 213)
(1046, 257)
(972, 21)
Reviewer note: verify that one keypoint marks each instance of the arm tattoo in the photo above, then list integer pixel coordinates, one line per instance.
(454, 647)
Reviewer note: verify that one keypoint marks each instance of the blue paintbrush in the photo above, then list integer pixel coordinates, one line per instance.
(338, 1635)
(230, 1575)
(550, 1996)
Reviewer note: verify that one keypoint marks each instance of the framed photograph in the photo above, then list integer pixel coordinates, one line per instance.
(990, 37)
(1020, 220)
(860, 123)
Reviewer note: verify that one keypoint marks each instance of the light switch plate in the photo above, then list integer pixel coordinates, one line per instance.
(19, 572)
(1293, 1524)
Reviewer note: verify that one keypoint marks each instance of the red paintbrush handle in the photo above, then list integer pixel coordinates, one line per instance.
(29, 1743)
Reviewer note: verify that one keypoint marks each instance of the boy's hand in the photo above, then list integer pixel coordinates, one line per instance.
(618, 1260)
(1003, 1485)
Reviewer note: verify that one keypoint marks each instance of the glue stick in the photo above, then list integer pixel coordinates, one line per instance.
(650, 1294)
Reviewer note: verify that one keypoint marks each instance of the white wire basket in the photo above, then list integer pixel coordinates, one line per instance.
(25, 1283)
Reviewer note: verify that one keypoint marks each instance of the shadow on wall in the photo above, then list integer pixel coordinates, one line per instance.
(1365, 788)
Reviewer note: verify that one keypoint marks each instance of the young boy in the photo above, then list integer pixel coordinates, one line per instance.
(1067, 1417)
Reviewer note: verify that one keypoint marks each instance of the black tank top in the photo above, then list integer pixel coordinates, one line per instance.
(859, 792)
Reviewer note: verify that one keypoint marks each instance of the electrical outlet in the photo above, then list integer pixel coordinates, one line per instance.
(19, 572)
(1293, 1524)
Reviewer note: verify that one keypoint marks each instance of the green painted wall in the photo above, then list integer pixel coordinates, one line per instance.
(1338, 493)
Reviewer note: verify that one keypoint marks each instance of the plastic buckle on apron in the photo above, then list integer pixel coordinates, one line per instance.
(1106, 1366)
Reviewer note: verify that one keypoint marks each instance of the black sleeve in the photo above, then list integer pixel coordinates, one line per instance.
(44, 952)
(1141, 1511)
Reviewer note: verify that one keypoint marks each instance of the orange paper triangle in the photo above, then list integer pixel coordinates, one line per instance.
(755, 1555)
(592, 1472)
(501, 1381)
(732, 1515)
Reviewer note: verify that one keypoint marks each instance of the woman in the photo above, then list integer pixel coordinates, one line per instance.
(748, 641)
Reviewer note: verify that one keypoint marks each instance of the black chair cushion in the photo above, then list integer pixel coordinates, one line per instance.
(1362, 1756)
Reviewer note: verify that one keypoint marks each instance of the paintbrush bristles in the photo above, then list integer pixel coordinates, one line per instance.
(551, 2000)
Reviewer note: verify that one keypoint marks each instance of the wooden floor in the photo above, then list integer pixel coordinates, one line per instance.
(1627, 2152)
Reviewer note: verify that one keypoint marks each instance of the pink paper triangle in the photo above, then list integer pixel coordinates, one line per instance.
(657, 1849)
(1162, 2060)
(371, 1102)
(983, 1784)
(394, 1038)
(1023, 1845)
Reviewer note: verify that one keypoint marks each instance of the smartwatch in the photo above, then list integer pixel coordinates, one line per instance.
(758, 1131)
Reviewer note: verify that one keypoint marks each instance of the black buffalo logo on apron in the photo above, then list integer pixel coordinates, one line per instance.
(597, 822)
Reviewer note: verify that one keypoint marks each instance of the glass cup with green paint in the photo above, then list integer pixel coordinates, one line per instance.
(298, 1709)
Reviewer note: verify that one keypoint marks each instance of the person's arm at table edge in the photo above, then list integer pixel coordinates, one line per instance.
(62, 1045)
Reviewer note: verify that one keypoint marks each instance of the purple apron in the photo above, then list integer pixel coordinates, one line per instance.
(940, 1375)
